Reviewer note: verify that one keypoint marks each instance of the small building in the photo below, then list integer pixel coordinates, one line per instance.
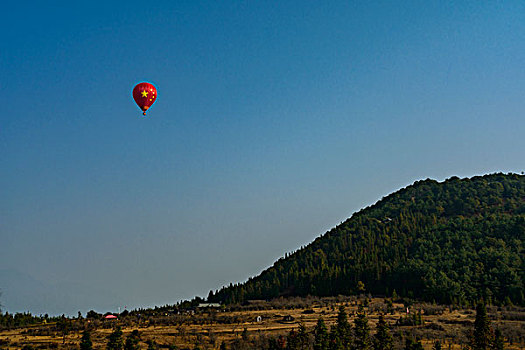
(209, 305)
(288, 318)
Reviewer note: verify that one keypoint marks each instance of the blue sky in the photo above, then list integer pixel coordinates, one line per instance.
(274, 122)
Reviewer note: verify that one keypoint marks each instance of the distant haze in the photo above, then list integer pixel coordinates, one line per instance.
(273, 123)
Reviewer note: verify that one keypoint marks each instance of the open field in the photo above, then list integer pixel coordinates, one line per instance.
(208, 328)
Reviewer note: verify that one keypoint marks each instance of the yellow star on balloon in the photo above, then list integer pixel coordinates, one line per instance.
(144, 93)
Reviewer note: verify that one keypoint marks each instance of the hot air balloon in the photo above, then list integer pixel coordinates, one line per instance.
(144, 95)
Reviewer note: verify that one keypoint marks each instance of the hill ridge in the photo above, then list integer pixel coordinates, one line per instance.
(455, 241)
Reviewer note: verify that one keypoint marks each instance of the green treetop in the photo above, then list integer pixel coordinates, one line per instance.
(383, 339)
(362, 339)
(321, 339)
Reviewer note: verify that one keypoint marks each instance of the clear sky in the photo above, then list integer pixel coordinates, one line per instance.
(275, 121)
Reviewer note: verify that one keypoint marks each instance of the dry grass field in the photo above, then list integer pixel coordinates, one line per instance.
(208, 328)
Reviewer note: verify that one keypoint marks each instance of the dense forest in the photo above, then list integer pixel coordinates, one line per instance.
(456, 241)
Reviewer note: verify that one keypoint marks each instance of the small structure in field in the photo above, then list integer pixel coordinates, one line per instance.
(288, 319)
(209, 305)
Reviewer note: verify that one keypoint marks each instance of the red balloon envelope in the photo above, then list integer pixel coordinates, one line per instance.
(144, 95)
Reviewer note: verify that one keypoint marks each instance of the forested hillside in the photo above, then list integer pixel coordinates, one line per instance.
(451, 242)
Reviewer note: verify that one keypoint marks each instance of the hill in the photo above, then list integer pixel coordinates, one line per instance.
(451, 242)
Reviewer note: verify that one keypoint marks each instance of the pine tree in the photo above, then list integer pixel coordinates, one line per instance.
(411, 344)
(482, 331)
(343, 328)
(63, 325)
(292, 340)
(362, 339)
(152, 345)
(360, 287)
(335, 341)
(383, 339)
(302, 336)
(498, 343)
(281, 342)
(85, 341)
(321, 335)
(115, 340)
(132, 341)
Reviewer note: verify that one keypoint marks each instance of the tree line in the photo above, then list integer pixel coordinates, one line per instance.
(24, 319)
(341, 336)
